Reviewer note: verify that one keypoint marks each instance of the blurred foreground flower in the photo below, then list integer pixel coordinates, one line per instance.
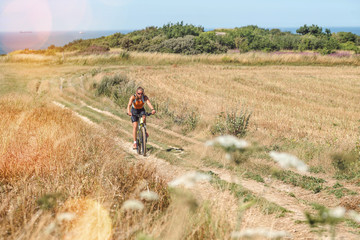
(337, 212)
(133, 205)
(149, 196)
(287, 160)
(67, 216)
(259, 232)
(190, 179)
(354, 215)
(228, 142)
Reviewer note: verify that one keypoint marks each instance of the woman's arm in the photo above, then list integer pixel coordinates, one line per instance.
(129, 105)
(150, 106)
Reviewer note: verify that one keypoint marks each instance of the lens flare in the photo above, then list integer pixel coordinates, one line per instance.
(92, 221)
(31, 20)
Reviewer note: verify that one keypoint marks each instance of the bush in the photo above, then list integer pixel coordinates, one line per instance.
(180, 30)
(232, 123)
(344, 37)
(345, 162)
(184, 45)
(350, 46)
(117, 87)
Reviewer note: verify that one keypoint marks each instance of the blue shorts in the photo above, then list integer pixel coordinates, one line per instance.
(140, 112)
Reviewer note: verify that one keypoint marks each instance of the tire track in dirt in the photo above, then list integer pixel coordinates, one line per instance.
(224, 200)
(202, 191)
(157, 127)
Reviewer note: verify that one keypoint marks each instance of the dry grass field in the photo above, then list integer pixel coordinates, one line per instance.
(63, 178)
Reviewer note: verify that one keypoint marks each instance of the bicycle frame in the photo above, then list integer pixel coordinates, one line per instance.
(141, 136)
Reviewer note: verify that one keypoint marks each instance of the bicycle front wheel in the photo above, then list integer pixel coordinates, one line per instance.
(143, 142)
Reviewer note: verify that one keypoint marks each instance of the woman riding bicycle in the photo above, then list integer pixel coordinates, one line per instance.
(136, 103)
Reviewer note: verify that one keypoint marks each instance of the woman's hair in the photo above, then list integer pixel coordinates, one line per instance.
(140, 88)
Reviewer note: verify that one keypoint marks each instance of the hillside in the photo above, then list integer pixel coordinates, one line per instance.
(67, 167)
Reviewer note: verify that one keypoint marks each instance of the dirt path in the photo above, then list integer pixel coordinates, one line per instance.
(224, 200)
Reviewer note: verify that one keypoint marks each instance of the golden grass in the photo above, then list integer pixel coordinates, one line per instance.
(48, 156)
(311, 111)
(53, 165)
(116, 56)
(314, 105)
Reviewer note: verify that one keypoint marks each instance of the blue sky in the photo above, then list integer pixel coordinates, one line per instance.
(37, 15)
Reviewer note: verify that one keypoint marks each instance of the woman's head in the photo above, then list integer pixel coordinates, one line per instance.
(139, 92)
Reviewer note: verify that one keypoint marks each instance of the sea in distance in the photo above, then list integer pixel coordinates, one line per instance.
(11, 41)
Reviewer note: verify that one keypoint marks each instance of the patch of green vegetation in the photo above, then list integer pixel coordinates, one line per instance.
(323, 217)
(186, 117)
(316, 169)
(292, 195)
(254, 176)
(169, 157)
(347, 165)
(351, 223)
(209, 162)
(339, 191)
(232, 123)
(306, 182)
(49, 201)
(247, 196)
(117, 87)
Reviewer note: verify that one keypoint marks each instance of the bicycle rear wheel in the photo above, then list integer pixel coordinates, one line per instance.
(143, 142)
(138, 142)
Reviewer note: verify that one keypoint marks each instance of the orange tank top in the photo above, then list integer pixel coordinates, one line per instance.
(138, 103)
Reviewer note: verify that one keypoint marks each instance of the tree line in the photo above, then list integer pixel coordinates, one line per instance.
(189, 39)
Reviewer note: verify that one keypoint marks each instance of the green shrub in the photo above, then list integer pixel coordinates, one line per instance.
(180, 30)
(117, 87)
(350, 46)
(306, 182)
(184, 45)
(345, 162)
(232, 123)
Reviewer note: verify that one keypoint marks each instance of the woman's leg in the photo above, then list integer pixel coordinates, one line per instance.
(135, 125)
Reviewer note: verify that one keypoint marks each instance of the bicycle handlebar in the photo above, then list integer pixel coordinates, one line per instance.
(138, 115)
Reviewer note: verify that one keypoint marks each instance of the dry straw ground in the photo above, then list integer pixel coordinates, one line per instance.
(53, 163)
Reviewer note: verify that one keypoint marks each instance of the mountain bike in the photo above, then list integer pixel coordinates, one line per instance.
(141, 137)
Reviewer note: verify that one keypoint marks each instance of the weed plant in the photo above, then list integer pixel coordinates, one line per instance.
(118, 87)
(347, 165)
(232, 123)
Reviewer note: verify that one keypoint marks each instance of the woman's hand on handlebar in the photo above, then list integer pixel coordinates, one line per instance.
(153, 112)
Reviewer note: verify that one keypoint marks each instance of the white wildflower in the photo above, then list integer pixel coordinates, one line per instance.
(337, 212)
(149, 196)
(287, 160)
(50, 228)
(228, 141)
(133, 205)
(354, 215)
(260, 232)
(190, 179)
(65, 216)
